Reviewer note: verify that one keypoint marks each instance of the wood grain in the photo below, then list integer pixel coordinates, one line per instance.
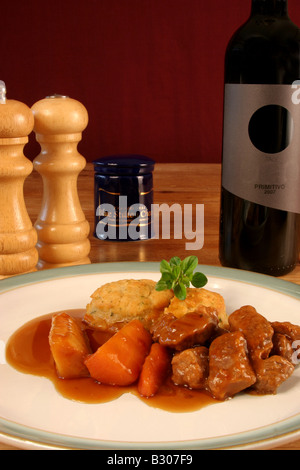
(173, 183)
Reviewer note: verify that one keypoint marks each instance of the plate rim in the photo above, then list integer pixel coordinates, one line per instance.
(269, 435)
(263, 437)
(257, 279)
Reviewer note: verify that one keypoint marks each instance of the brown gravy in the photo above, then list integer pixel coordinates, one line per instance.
(28, 351)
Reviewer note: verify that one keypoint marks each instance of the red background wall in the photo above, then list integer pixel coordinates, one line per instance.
(150, 72)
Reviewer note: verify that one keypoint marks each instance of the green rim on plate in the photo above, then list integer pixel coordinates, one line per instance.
(261, 280)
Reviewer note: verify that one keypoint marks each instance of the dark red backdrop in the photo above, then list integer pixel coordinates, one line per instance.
(150, 72)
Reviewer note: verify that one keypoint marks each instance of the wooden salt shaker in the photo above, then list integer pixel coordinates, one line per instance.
(18, 237)
(61, 225)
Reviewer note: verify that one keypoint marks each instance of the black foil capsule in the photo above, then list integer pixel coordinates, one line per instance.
(123, 197)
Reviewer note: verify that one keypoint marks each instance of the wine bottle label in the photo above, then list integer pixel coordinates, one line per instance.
(261, 144)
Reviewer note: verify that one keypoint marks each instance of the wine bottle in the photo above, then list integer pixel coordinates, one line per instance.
(260, 195)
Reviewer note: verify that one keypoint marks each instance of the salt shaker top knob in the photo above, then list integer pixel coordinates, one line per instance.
(59, 114)
(2, 92)
(16, 118)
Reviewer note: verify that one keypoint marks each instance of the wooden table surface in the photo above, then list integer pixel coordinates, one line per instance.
(173, 183)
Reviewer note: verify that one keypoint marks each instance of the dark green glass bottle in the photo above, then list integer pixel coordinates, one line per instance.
(260, 197)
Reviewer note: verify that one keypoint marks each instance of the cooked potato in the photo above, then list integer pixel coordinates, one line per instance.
(119, 302)
(68, 346)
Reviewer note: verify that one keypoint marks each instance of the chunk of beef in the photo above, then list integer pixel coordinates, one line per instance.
(256, 329)
(190, 367)
(230, 370)
(287, 329)
(289, 335)
(192, 329)
(270, 374)
(282, 346)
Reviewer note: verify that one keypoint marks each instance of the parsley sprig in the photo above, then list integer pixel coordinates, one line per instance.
(178, 275)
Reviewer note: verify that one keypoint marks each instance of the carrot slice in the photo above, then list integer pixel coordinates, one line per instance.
(119, 361)
(155, 369)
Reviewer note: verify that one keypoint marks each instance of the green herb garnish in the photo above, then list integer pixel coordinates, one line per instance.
(178, 275)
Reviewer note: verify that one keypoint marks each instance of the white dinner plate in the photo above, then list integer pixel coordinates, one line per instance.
(33, 415)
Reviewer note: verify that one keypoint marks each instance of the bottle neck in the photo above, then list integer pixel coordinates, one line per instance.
(270, 7)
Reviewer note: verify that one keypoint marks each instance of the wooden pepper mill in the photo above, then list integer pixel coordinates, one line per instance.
(18, 237)
(61, 225)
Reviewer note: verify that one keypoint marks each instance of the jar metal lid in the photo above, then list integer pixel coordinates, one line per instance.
(124, 165)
